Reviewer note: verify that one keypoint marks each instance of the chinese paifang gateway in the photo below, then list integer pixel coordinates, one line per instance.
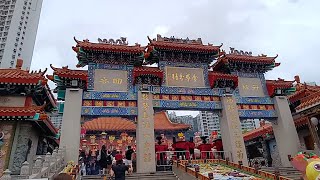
(119, 83)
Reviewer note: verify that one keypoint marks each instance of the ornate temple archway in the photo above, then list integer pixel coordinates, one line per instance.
(118, 83)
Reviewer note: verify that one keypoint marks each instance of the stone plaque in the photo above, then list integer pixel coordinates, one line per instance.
(110, 80)
(12, 101)
(184, 77)
(231, 132)
(250, 87)
(146, 162)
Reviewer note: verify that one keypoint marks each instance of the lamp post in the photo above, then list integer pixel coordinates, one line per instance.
(314, 128)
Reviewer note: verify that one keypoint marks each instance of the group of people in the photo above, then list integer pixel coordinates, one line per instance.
(107, 162)
(116, 163)
(183, 149)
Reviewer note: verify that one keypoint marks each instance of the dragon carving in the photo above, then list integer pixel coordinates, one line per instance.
(121, 41)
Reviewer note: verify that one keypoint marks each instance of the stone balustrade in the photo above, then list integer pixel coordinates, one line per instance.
(45, 167)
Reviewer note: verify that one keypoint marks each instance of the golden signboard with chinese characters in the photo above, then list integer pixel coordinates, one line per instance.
(110, 80)
(184, 77)
(234, 127)
(145, 132)
(250, 87)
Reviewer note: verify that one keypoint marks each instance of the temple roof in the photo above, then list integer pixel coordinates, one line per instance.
(214, 75)
(161, 123)
(267, 129)
(147, 71)
(225, 59)
(309, 101)
(64, 72)
(35, 112)
(21, 111)
(306, 96)
(19, 76)
(187, 45)
(272, 85)
(303, 90)
(107, 46)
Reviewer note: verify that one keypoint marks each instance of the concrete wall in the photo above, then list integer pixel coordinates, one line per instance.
(285, 131)
(70, 130)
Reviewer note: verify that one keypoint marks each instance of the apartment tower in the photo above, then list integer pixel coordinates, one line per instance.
(18, 30)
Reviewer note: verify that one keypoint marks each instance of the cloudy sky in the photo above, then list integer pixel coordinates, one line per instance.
(289, 28)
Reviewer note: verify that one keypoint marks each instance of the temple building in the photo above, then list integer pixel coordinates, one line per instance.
(118, 133)
(25, 128)
(304, 104)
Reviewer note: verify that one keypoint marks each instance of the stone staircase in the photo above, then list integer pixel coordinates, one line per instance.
(166, 175)
(288, 172)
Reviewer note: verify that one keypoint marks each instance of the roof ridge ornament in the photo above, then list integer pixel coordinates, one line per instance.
(120, 41)
(177, 40)
(240, 52)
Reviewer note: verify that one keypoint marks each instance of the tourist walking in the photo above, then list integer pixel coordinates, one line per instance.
(118, 156)
(128, 156)
(119, 170)
(104, 159)
(89, 163)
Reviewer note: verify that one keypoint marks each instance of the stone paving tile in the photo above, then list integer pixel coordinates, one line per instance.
(182, 174)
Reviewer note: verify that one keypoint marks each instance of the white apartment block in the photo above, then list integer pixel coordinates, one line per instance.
(248, 124)
(210, 121)
(56, 120)
(19, 21)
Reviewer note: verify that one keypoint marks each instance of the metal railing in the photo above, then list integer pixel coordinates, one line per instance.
(164, 159)
(215, 155)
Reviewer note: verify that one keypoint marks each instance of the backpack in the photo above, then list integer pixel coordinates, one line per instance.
(109, 159)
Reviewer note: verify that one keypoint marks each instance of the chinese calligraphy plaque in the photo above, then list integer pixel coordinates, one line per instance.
(110, 80)
(250, 87)
(231, 130)
(145, 134)
(185, 77)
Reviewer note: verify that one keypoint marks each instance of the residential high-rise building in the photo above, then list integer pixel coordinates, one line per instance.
(172, 116)
(56, 120)
(210, 121)
(56, 116)
(19, 21)
(248, 124)
(187, 119)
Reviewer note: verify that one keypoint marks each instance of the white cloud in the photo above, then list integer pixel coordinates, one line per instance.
(163, 30)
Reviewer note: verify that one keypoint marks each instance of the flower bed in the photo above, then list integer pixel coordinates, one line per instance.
(222, 171)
